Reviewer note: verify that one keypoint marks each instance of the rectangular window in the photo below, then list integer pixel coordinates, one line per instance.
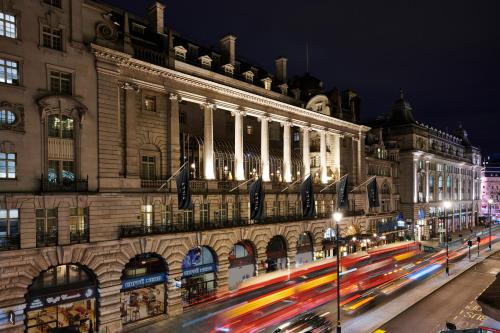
(52, 38)
(79, 225)
(147, 215)
(61, 82)
(55, 3)
(150, 103)
(46, 227)
(148, 167)
(9, 72)
(7, 165)
(61, 172)
(9, 229)
(7, 25)
(166, 215)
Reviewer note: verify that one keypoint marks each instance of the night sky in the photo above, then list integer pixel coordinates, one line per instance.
(444, 54)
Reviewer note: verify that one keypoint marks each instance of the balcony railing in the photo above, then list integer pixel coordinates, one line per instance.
(9, 242)
(77, 237)
(46, 239)
(77, 185)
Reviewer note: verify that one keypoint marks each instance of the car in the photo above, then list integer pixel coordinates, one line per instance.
(307, 323)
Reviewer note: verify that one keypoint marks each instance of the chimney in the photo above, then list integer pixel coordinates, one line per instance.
(281, 69)
(228, 47)
(156, 14)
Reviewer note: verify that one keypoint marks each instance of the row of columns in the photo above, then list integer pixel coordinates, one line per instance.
(208, 149)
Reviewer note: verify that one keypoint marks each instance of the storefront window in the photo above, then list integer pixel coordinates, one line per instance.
(63, 296)
(143, 288)
(198, 275)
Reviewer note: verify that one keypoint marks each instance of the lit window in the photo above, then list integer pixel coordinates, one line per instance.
(55, 3)
(206, 62)
(7, 165)
(7, 25)
(150, 103)
(79, 225)
(7, 117)
(52, 38)
(61, 82)
(61, 126)
(9, 228)
(148, 167)
(46, 227)
(180, 52)
(248, 75)
(249, 129)
(267, 83)
(147, 215)
(296, 136)
(9, 72)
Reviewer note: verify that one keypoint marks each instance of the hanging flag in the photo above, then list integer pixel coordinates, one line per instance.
(373, 193)
(342, 201)
(257, 195)
(183, 190)
(307, 196)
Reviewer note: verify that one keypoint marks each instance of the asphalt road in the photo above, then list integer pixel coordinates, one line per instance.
(455, 302)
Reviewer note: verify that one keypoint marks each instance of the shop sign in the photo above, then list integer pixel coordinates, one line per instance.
(65, 297)
(143, 281)
(197, 270)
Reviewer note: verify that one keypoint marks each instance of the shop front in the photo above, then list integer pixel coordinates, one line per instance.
(61, 298)
(304, 250)
(143, 292)
(199, 269)
(329, 246)
(276, 252)
(241, 263)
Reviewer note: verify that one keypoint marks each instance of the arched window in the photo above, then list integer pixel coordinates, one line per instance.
(7, 117)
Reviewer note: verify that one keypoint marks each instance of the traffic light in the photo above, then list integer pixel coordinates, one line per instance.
(469, 243)
(478, 239)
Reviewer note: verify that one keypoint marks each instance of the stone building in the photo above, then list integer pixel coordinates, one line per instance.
(99, 110)
(433, 166)
(490, 187)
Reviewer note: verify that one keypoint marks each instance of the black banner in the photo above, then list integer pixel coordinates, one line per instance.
(257, 199)
(373, 194)
(183, 190)
(307, 196)
(342, 200)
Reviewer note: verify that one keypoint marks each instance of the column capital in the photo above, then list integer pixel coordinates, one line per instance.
(264, 117)
(286, 123)
(175, 96)
(128, 86)
(208, 105)
(238, 112)
(306, 128)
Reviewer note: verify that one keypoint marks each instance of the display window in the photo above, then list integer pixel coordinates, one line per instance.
(198, 275)
(142, 303)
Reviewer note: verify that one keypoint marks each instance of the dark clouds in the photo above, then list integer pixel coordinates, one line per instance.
(445, 54)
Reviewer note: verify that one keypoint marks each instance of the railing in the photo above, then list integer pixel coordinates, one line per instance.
(190, 226)
(77, 237)
(154, 57)
(46, 239)
(9, 242)
(77, 185)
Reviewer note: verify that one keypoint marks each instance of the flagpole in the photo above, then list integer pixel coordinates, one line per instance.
(295, 182)
(363, 183)
(234, 188)
(169, 179)
(329, 185)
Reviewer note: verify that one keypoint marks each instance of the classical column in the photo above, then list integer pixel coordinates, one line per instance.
(264, 147)
(415, 182)
(336, 154)
(208, 141)
(322, 157)
(131, 148)
(287, 153)
(174, 148)
(238, 145)
(427, 181)
(306, 158)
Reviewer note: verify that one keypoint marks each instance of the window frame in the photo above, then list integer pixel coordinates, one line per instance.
(52, 36)
(8, 219)
(6, 159)
(60, 80)
(44, 219)
(147, 215)
(50, 3)
(83, 235)
(4, 22)
(6, 59)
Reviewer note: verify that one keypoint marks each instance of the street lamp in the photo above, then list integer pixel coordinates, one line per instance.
(337, 217)
(490, 202)
(446, 205)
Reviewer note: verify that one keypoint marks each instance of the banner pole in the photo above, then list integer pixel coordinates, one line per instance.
(329, 185)
(231, 190)
(366, 181)
(169, 179)
(295, 182)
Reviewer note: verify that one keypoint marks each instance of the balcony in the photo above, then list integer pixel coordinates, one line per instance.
(9, 242)
(77, 185)
(44, 239)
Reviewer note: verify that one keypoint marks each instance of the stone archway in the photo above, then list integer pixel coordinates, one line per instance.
(305, 249)
(276, 252)
(241, 263)
(199, 275)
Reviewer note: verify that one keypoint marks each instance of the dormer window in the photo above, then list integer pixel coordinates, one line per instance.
(248, 75)
(206, 62)
(267, 83)
(228, 69)
(180, 52)
(283, 88)
(138, 28)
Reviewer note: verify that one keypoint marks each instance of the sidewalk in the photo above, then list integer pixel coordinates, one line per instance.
(373, 319)
(466, 234)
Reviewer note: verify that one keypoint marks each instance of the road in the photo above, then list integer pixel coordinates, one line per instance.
(455, 302)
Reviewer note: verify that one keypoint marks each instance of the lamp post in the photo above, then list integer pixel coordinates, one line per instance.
(446, 205)
(490, 202)
(337, 217)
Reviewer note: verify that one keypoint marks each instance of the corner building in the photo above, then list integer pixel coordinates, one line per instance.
(100, 109)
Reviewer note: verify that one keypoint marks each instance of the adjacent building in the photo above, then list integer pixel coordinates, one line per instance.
(490, 188)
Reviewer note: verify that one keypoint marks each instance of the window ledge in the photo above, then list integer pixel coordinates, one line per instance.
(49, 50)
(20, 87)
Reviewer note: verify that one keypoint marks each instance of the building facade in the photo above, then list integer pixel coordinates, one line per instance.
(490, 187)
(100, 110)
(434, 166)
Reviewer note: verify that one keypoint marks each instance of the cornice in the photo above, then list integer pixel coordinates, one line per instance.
(126, 61)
